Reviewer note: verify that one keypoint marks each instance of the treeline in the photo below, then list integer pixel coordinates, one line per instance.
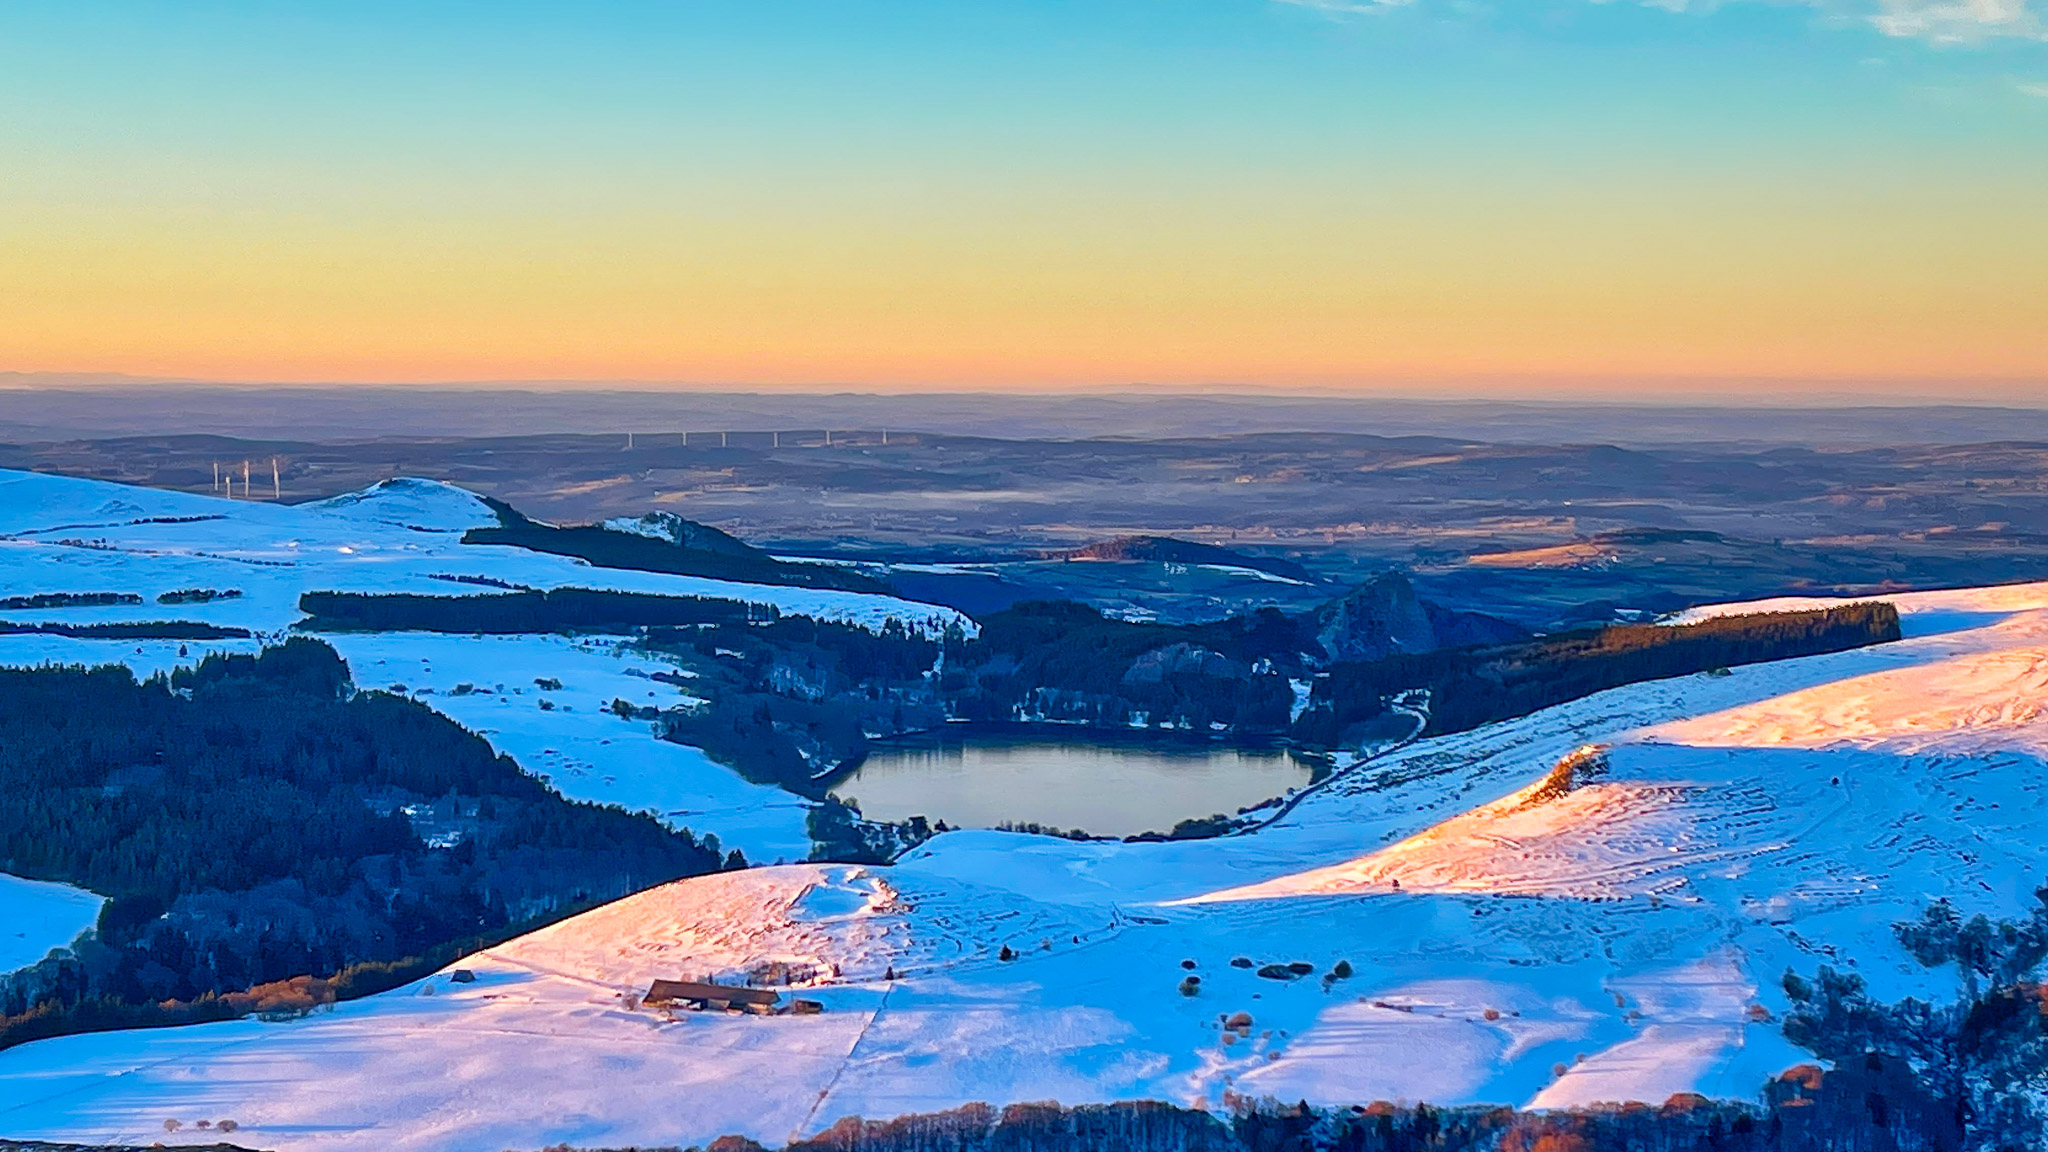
(127, 630)
(1471, 687)
(607, 548)
(198, 595)
(554, 610)
(799, 745)
(67, 600)
(1862, 1107)
(50, 1015)
(253, 819)
(805, 657)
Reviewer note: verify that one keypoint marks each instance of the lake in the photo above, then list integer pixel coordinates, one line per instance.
(1108, 787)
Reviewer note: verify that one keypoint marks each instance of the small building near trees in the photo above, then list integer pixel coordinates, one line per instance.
(698, 996)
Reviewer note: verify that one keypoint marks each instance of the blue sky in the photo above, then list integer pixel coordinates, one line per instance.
(1019, 193)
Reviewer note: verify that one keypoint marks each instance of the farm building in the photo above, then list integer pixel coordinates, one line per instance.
(692, 994)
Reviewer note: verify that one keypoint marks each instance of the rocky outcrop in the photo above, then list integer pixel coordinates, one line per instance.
(1384, 616)
(683, 533)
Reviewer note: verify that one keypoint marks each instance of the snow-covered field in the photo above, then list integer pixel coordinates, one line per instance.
(64, 535)
(1621, 940)
(36, 916)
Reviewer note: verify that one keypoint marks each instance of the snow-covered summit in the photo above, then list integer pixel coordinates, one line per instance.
(411, 502)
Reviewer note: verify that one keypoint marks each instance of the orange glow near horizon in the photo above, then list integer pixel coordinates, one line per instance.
(1308, 303)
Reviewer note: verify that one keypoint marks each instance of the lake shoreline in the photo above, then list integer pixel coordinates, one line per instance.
(1060, 731)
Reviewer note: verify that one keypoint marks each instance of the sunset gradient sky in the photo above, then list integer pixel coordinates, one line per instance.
(1427, 196)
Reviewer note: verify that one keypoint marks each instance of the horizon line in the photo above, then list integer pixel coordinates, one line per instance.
(1582, 391)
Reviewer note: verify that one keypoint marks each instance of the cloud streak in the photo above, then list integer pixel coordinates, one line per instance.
(1934, 21)
(1350, 7)
(1957, 21)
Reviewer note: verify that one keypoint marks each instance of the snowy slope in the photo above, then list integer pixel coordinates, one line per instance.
(580, 749)
(59, 534)
(1620, 940)
(36, 916)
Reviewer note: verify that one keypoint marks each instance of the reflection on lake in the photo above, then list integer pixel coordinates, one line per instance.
(1106, 788)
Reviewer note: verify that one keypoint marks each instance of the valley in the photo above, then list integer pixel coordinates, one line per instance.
(1244, 576)
(1629, 931)
(1587, 892)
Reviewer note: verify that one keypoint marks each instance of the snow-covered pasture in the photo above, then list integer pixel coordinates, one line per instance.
(1622, 941)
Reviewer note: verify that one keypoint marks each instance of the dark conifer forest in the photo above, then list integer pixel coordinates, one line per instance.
(255, 818)
(516, 612)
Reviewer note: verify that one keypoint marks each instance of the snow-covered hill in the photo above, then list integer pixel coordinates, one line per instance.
(1505, 942)
(65, 535)
(59, 534)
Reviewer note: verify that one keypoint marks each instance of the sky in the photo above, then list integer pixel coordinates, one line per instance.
(1423, 197)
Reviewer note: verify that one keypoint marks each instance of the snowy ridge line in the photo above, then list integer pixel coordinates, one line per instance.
(388, 538)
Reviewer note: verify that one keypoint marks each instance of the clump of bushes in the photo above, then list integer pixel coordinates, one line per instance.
(199, 595)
